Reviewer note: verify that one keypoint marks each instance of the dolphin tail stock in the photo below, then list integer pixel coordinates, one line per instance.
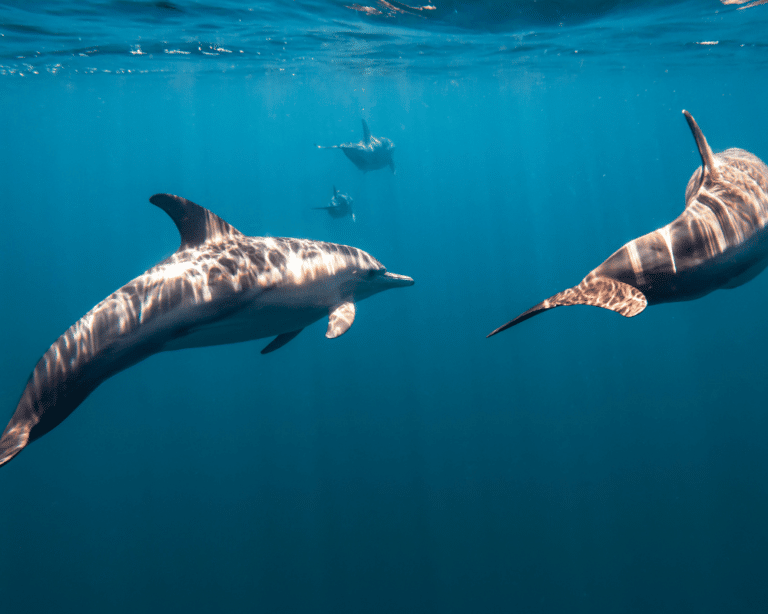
(593, 290)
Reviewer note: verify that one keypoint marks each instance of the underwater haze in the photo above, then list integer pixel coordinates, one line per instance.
(581, 462)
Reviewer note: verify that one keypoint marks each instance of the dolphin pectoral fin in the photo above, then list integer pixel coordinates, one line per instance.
(340, 318)
(366, 133)
(280, 341)
(596, 291)
(392, 166)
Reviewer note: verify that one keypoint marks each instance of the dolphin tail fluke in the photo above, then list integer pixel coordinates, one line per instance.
(13, 440)
(597, 291)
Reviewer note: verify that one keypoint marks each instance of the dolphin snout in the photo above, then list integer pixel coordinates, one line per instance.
(397, 281)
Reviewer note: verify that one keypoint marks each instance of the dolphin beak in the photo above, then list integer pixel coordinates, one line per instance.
(397, 281)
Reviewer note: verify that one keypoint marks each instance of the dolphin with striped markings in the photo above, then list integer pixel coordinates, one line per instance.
(719, 241)
(219, 287)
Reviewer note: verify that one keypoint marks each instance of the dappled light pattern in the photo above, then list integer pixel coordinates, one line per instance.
(723, 213)
(390, 9)
(719, 241)
(593, 290)
(340, 319)
(216, 272)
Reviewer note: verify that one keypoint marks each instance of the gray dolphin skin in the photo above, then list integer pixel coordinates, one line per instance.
(370, 154)
(341, 206)
(719, 241)
(219, 287)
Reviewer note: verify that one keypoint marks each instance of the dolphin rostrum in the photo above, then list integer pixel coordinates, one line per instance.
(719, 241)
(370, 154)
(341, 205)
(219, 287)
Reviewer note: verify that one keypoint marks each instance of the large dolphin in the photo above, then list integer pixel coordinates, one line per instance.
(341, 205)
(219, 287)
(719, 241)
(372, 153)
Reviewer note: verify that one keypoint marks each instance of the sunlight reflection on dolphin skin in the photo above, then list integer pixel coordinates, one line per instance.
(720, 240)
(219, 287)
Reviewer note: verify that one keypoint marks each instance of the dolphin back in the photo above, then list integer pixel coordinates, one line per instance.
(102, 343)
(720, 240)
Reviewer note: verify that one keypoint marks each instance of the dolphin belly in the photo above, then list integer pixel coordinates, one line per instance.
(748, 275)
(256, 321)
(734, 266)
(360, 158)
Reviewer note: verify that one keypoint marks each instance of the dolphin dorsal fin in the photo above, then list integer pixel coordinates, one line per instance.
(707, 157)
(195, 223)
(366, 133)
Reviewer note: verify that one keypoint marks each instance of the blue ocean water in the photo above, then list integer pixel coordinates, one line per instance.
(581, 462)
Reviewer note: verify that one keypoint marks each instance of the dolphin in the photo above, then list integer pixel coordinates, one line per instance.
(341, 205)
(719, 241)
(219, 287)
(370, 154)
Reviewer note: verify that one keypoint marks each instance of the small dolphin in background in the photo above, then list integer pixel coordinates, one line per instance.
(219, 287)
(370, 154)
(719, 241)
(341, 205)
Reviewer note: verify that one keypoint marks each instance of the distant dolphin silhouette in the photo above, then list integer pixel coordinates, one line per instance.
(219, 287)
(341, 205)
(719, 241)
(372, 153)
